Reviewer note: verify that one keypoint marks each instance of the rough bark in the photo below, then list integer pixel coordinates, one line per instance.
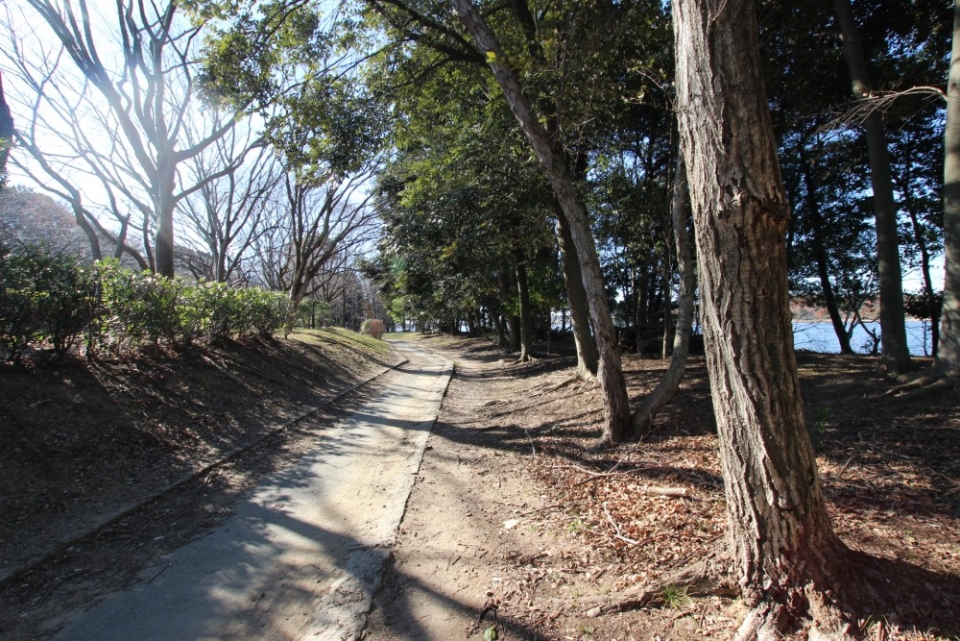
(896, 353)
(587, 355)
(948, 355)
(661, 395)
(609, 371)
(785, 552)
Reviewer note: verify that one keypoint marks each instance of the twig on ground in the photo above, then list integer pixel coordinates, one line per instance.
(490, 606)
(856, 453)
(530, 438)
(616, 528)
(61, 582)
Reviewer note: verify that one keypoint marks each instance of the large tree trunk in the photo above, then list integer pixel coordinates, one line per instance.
(783, 545)
(896, 352)
(948, 356)
(587, 355)
(643, 415)
(165, 207)
(609, 372)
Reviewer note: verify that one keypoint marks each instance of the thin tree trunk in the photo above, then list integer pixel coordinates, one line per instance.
(829, 298)
(896, 352)
(820, 255)
(6, 134)
(609, 372)
(501, 332)
(667, 307)
(587, 355)
(643, 416)
(526, 319)
(948, 356)
(910, 206)
(783, 546)
(513, 321)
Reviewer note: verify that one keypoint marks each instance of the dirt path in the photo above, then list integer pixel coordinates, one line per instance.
(302, 554)
(472, 551)
(517, 524)
(514, 521)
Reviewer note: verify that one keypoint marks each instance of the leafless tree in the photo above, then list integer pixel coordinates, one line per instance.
(321, 221)
(224, 217)
(122, 104)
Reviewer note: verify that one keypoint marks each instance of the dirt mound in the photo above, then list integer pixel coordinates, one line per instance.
(84, 440)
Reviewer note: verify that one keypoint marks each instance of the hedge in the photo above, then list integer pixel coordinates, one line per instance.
(49, 300)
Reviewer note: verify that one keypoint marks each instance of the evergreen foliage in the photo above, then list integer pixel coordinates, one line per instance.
(50, 300)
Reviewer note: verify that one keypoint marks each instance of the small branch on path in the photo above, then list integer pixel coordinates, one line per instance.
(616, 528)
(530, 438)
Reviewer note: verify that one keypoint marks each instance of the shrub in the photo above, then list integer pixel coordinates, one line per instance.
(49, 298)
(44, 297)
(137, 306)
(264, 312)
(209, 310)
(373, 327)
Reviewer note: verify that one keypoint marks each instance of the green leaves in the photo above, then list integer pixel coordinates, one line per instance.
(284, 60)
(51, 299)
(44, 298)
(139, 307)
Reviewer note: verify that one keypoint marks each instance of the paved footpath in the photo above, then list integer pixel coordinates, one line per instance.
(303, 554)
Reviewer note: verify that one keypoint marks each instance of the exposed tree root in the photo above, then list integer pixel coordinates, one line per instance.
(868, 590)
(571, 380)
(923, 384)
(710, 575)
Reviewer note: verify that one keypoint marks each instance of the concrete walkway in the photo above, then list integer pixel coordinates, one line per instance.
(303, 554)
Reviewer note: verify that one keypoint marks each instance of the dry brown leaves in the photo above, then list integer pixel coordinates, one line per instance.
(890, 473)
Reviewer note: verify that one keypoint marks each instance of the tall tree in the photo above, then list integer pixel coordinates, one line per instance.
(784, 549)
(319, 219)
(948, 357)
(609, 371)
(146, 91)
(6, 134)
(896, 352)
(226, 215)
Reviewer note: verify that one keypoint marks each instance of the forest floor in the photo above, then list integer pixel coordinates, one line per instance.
(515, 521)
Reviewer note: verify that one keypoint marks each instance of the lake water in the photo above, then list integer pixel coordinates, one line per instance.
(820, 337)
